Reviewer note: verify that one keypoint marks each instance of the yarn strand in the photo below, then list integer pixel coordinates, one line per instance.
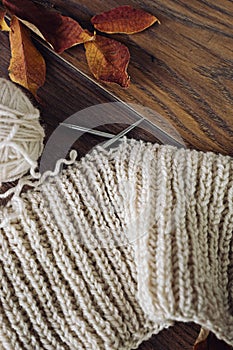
(29, 180)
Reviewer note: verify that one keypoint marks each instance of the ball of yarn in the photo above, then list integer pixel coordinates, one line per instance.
(21, 135)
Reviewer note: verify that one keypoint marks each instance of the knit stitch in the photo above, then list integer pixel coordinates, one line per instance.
(117, 247)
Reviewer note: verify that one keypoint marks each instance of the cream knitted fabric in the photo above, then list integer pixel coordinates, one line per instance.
(117, 247)
(185, 259)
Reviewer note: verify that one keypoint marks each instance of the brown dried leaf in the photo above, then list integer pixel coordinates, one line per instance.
(3, 24)
(208, 341)
(61, 32)
(123, 19)
(202, 340)
(108, 60)
(27, 66)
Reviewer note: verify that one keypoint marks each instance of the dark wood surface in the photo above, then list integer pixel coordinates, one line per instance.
(181, 69)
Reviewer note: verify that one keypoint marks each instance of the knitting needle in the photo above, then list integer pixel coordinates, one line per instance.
(90, 131)
(112, 137)
(122, 133)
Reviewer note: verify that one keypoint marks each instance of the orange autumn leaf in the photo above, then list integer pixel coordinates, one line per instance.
(3, 24)
(123, 19)
(108, 60)
(61, 32)
(27, 66)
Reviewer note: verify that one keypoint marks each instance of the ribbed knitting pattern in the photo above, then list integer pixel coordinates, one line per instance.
(116, 248)
(185, 261)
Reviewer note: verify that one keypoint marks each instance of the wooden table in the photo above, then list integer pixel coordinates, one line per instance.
(181, 69)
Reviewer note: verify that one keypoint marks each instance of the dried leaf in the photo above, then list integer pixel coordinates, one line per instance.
(123, 19)
(3, 24)
(61, 32)
(202, 340)
(27, 66)
(208, 341)
(108, 60)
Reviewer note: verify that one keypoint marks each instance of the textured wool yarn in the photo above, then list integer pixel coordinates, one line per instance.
(21, 135)
(117, 247)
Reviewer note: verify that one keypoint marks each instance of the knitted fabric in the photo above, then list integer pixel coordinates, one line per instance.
(116, 248)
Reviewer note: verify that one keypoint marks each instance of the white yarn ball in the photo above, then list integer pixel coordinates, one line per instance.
(21, 135)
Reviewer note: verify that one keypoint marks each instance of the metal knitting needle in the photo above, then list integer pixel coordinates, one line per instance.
(122, 133)
(90, 131)
(113, 138)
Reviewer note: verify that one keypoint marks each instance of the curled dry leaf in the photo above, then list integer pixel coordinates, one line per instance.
(208, 341)
(27, 66)
(202, 340)
(108, 60)
(3, 24)
(123, 19)
(61, 32)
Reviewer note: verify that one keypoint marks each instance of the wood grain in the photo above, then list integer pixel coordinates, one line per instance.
(182, 69)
